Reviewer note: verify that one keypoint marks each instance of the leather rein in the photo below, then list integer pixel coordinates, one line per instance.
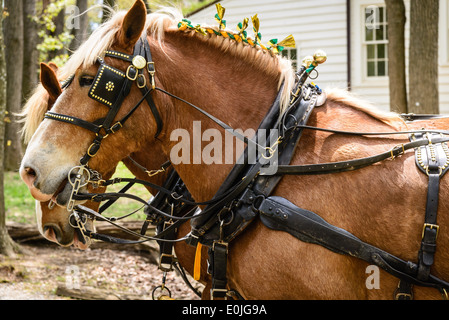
(217, 223)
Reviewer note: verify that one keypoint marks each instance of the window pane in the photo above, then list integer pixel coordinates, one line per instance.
(379, 32)
(381, 51)
(381, 14)
(369, 34)
(381, 68)
(294, 65)
(371, 54)
(371, 69)
(293, 53)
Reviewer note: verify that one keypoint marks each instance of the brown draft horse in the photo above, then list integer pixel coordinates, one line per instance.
(383, 204)
(53, 223)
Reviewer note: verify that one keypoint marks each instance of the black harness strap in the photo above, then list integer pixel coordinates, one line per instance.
(418, 117)
(433, 160)
(349, 165)
(279, 214)
(144, 50)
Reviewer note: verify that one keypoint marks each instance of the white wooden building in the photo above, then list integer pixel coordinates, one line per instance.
(351, 32)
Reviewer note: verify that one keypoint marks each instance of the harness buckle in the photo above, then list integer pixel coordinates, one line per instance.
(95, 150)
(398, 147)
(151, 72)
(166, 266)
(116, 127)
(222, 293)
(141, 81)
(431, 226)
(131, 67)
(403, 296)
(150, 68)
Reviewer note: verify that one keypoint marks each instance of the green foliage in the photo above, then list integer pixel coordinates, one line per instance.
(50, 41)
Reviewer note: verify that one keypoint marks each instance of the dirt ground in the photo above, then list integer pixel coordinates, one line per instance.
(122, 273)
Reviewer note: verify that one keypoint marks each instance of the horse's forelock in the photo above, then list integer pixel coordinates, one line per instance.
(33, 112)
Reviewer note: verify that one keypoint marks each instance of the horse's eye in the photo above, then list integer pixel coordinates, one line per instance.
(86, 81)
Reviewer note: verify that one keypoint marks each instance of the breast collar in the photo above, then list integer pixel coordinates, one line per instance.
(110, 87)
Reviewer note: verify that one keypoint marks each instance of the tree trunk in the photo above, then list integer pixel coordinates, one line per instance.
(79, 31)
(6, 244)
(396, 55)
(31, 58)
(423, 57)
(13, 33)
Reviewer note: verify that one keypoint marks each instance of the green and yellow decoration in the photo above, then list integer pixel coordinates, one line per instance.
(256, 24)
(273, 45)
(219, 16)
(277, 47)
(241, 27)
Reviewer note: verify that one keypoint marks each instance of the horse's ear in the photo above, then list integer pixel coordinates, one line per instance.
(53, 66)
(133, 24)
(50, 81)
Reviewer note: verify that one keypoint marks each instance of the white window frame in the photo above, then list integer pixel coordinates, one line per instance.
(365, 43)
(359, 72)
(443, 32)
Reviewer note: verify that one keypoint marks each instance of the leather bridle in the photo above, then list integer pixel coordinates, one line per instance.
(110, 87)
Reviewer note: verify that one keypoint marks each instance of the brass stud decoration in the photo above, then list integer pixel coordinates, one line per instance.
(110, 86)
(139, 62)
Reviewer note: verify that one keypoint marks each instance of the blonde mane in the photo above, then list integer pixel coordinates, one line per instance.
(157, 24)
(167, 19)
(342, 96)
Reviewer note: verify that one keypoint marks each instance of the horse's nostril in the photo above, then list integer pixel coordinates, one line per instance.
(29, 175)
(53, 233)
(30, 172)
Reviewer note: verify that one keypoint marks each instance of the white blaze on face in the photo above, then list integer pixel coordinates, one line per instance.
(39, 217)
(46, 163)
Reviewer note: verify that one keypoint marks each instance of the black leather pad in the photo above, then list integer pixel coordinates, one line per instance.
(107, 85)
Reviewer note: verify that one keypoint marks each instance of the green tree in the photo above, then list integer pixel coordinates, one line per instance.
(7, 246)
(13, 37)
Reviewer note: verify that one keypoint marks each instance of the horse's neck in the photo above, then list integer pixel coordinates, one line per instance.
(153, 162)
(221, 84)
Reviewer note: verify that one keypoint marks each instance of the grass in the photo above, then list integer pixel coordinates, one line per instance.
(20, 206)
(18, 201)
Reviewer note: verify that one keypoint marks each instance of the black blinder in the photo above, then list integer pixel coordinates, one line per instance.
(107, 85)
